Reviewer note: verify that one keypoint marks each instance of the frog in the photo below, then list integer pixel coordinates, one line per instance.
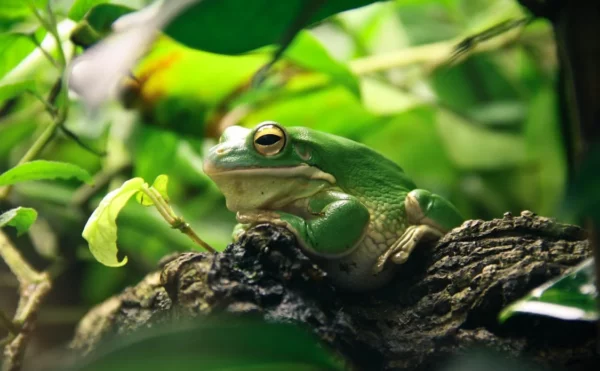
(356, 213)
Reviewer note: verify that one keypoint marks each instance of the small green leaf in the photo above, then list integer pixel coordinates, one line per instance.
(21, 218)
(160, 184)
(143, 199)
(96, 23)
(570, 297)
(41, 169)
(101, 228)
(81, 7)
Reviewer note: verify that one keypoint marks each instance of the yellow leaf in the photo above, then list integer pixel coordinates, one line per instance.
(101, 228)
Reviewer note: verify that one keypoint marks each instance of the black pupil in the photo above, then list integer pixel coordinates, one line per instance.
(268, 139)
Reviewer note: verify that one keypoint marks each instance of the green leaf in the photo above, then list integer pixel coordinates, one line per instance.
(8, 91)
(13, 49)
(41, 169)
(476, 81)
(223, 343)
(21, 218)
(100, 230)
(475, 147)
(160, 184)
(546, 146)
(331, 110)
(80, 8)
(154, 151)
(570, 297)
(237, 26)
(12, 9)
(410, 139)
(383, 99)
(308, 52)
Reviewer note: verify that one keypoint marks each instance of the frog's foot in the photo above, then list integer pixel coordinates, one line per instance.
(260, 216)
(403, 247)
(238, 231)
(429, 217)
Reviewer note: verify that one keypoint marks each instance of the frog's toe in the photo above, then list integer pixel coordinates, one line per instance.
(400, 251)
(238, 231)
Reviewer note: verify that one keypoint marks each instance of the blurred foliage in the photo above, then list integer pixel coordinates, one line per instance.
(570, 297)
(219, 344)
(483, 132)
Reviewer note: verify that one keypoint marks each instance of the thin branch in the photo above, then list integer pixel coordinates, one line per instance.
(6, 340)
(8, 324)
(47, 134)
(439, 53)
(49, 108)
(80, 143)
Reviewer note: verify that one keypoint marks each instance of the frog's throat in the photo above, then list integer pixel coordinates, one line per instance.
(303, 171)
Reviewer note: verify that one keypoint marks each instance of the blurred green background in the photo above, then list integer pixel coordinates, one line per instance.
(482, 130)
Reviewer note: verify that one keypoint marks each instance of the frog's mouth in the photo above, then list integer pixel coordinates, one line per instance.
(267, 188)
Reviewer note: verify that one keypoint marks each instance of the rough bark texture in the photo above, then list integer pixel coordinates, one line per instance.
(444, 301)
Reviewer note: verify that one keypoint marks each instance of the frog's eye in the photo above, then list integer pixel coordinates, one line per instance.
(269, 140)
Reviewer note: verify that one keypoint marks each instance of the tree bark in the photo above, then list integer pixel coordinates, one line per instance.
(444, 301)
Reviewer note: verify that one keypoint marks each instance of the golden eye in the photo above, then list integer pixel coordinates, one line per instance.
(269, 140)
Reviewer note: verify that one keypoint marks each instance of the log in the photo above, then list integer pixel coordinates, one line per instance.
(444, 301)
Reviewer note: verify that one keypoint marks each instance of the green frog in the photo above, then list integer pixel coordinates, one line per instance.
(355, 212)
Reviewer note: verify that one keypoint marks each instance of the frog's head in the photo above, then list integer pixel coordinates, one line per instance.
(265, 168)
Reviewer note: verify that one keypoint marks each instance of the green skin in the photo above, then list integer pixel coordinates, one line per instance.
(354, 211)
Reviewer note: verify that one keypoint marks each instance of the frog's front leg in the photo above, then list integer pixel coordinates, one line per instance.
(334, 222)
(429, 217)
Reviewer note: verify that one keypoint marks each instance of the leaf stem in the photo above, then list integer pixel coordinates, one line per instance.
(175, 221)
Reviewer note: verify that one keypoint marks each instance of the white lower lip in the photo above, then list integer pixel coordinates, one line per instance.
(306, 171)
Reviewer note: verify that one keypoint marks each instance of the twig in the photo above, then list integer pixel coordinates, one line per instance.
(49, 108)
(44, 51)
(309, 8)
(8, 324)
(47, 134)
(33, 287)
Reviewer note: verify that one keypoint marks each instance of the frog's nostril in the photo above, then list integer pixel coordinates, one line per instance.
(221, 150)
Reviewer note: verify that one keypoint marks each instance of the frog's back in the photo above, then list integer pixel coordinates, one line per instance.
(358, 169)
